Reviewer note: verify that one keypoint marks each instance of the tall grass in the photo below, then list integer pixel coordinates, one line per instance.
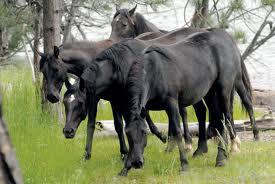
(46, 156)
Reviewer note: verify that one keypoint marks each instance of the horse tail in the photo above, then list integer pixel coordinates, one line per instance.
(244, 89)
(246, 80)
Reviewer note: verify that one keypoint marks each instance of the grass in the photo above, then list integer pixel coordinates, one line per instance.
(45, 156)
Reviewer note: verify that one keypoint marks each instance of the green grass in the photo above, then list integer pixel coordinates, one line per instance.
(45, 156)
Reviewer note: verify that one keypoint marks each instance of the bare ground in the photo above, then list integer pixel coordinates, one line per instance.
(264, 136)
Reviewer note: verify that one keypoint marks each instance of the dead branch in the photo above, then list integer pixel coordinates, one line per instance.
(255, 43)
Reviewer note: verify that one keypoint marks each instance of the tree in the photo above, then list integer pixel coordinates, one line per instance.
(51, 24)
(9, 167)
(223, 13)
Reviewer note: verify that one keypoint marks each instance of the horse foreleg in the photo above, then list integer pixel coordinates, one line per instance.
(92, 110)
(176, 133)
(119, 130)
(154, 129)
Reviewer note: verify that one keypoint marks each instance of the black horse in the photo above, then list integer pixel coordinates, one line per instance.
(74, 59)
(170, 79)
(128, 24)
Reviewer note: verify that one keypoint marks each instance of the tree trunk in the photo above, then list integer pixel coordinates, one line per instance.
(200, 16)
(36, 58)
(3, 41)
(9, 167)
(68, 27)
(51, 24)
(51, 34)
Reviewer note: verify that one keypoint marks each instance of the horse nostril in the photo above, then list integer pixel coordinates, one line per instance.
(71, 131)
(68, 130)
(140, 163)
(52, 98)
(137, 164)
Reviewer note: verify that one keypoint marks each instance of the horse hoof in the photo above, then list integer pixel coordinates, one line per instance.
(237, 140)
(256, 138)
(221, 163)
(197, 153)
(234, 149)
(123, 157)
(184, 169)
(87, 156)
(188, 147)
(123, 173)
(235, 145)
(169, 149)
(163, 138)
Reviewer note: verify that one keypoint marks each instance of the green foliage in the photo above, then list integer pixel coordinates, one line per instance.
(268, 2)
(17, 23)
(236, 5)
(240, 36)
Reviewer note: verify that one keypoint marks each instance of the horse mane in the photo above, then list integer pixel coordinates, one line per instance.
(142, 25)
(134, 87)
(115, 54)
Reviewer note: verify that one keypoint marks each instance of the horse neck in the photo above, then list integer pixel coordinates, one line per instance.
(144, 25)
(76, 67)
(104, 75)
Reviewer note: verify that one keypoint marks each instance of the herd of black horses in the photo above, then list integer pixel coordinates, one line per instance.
(141, 68)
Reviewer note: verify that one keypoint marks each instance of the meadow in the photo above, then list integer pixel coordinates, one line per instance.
(45, 156)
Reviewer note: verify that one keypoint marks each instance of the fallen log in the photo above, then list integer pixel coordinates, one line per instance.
(106, 127)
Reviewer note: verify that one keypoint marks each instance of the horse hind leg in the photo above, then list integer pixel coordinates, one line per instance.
(224, 101)
(200, 111)
(118, 123)
(186, 134)
(247, 103)
(235, 140)
(154, 129)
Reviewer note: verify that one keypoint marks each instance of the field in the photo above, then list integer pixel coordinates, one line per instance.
(45, 156)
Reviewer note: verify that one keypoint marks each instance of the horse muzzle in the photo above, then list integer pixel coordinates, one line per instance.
(52, 98)
(138, 163)
(69, 133)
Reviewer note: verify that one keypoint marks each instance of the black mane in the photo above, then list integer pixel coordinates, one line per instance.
(134, 87)
(116, 54)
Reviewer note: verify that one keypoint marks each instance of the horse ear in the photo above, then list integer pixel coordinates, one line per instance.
(143, 112)
(81, 84)
(132, 11)
(117, 7)
(55, 51)
(40, 54)
(67, 83)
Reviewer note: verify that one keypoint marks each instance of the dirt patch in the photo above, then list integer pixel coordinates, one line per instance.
(264, 98)
(264, 136)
